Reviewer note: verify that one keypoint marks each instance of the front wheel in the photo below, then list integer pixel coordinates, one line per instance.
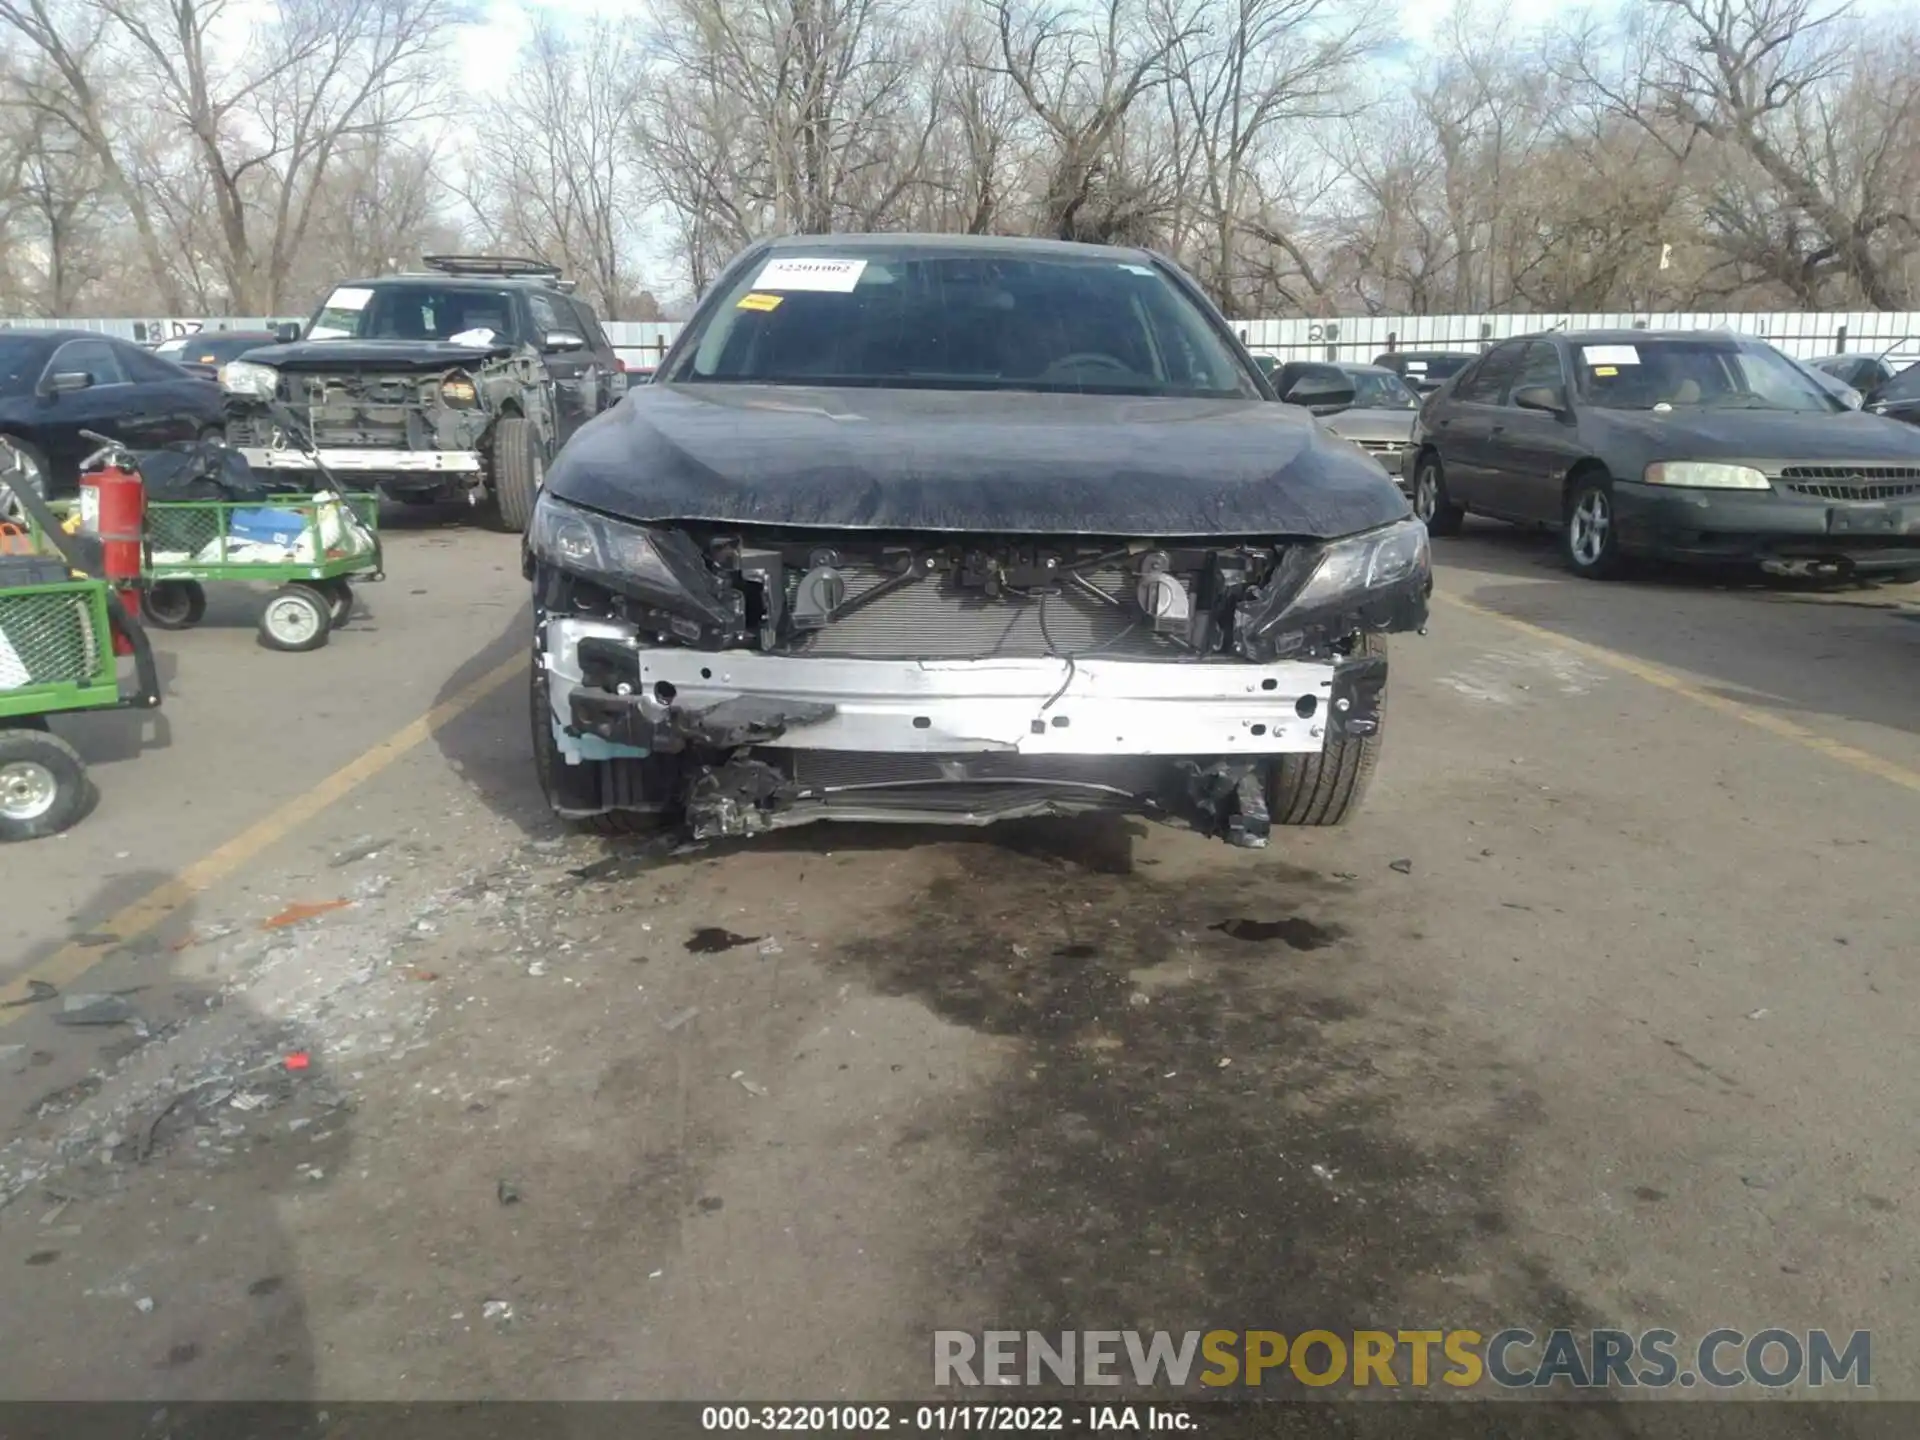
(1431, 502)
(174, 604)
(1327, 788)
(518, 471)
(1589, 538)
(43, 784)
(297, 618)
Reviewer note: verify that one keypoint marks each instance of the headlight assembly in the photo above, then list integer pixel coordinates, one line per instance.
(661, 567)
(1318, 594)
(1706, 475)
(1372, 561)
(246, 377)
(457, 390)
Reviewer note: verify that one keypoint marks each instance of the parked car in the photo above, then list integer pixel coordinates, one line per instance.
(1865, 373)
(1368, 406)
(205, 352)
(956, 529)
(460, 383)
(1425, 370)
(1899, 397)
(56, 383)
(1690, 445)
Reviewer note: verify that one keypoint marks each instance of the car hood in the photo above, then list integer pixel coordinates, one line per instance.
(943, 460)
(388, 356)
(1759, 435)
(1372, 424)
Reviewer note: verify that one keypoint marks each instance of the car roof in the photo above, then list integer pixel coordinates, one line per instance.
(1425, 354)
(1634, 337)
(24, 332)
(983, 244)
(455, 282)
(1357, 370)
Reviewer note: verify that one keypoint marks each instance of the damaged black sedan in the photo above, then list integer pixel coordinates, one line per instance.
(960, 529)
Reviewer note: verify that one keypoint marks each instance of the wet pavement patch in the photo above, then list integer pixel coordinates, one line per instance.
(1223, 1151)
(711, 940)
(1295, 930)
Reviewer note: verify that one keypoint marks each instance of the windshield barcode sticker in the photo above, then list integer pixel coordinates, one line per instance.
(1597, 355)
(835, 276)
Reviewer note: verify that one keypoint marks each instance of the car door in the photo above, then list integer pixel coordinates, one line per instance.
(107, 404)
(1528, 450)
(1463, 421)
(175, 405)
(606, 364)
(569, 366)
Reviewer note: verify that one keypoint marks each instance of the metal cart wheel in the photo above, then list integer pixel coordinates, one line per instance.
(174, 604)
(296, 618)
(43, 784)
(339, 600)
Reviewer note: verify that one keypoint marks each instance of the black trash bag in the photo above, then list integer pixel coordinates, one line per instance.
(207, 470)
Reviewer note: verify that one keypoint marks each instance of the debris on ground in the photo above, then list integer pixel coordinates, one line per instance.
(537, 969)
(506, 1193)
(365, 848)
(674, 1022)
(299, 912)
(144, 1305)
(499, 1310)
(1405, 867)
(37, 991)
(298, 1060)
(711, 940)
(94, 1010)
(752, 1087)
(771, 947)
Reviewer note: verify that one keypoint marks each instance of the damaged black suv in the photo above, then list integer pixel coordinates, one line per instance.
(460, 383)
(958, 529)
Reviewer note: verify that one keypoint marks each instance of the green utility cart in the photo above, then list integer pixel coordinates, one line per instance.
(58, 656)
(311, 546)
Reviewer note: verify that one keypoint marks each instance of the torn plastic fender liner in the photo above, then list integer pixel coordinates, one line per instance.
(645, 723)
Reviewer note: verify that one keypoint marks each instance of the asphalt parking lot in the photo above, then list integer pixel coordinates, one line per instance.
(1601, 1014)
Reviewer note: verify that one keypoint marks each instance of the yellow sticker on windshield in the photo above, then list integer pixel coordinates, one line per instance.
(758, 302)
(1605, 370)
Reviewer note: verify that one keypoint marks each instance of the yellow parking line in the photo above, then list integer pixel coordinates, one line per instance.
(1851, 755)
(71, 961)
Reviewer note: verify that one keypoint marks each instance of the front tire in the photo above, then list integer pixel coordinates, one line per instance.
(518, 472)
(296, 619)
(1327, 788)
(43, 784)
(30, 468)
(1589, 536)
(1431, 502)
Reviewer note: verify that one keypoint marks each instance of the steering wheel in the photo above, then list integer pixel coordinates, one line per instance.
(1087, 360)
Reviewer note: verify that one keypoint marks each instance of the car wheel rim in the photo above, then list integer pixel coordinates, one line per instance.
(1425, 501)
(28, 790)
(294, 621)
(1592, 522)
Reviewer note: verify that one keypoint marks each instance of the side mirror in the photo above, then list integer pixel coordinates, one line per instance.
(66, 382)
(565, 340)
(1550, 398)
(1320, 397)
(286, 334)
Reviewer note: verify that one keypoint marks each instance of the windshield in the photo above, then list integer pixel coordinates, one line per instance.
(1435, 367)
(461, 315)
(920, 318)
(1382, 390)
(1651, 374)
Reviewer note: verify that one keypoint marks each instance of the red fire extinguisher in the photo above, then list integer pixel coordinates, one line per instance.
(113, 506)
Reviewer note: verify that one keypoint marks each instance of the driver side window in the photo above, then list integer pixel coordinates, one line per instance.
(1541, 367)
(96, 357)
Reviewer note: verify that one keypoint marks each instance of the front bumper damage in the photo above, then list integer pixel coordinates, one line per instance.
(751, 742)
